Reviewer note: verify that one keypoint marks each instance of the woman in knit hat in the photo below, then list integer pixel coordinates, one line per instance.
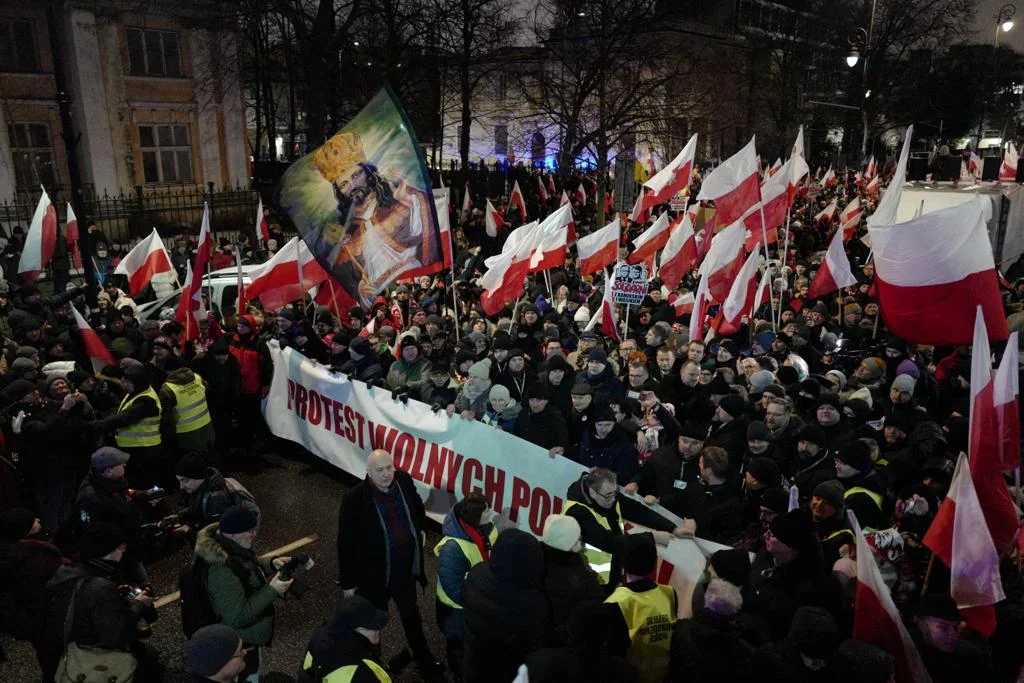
(471, 402)
(502, 409)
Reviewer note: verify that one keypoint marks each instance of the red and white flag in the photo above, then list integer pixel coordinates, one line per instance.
(552, 240)
(551, 184)
(638, 214)
(798, 145)
(262, 229)
(775, 168)
(829, 179)
(777, 195)
(286, 276)
(849, 219)
(40, 240)
(740, 300)
(98, 353)
(1008, 171)
(506, 273)
(191, 292)
(71, 236)
(876, 620)
(599, 249)
(764, 290)
(517, 200)
(872, 169)
(493, 222)
(834, 272)
(734, 186)
(146, 259)
(681, 304)
(667, 182)
(680, 254)
(932, 271)
(958, 536)
(873, 186)
(1006, 398)
(700, 305)
(541, 190)
(581, 194)
(647, 244)
(606, 316)
(572, 225)
(974, 165)
(467, 203)
(828, 212)
(724, 260)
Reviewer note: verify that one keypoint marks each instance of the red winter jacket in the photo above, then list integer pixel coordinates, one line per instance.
(249, 357)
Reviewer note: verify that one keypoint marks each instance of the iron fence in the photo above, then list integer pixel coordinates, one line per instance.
(125, 217)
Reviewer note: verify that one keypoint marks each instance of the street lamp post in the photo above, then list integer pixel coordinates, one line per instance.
(1004, 23)
(860, 43)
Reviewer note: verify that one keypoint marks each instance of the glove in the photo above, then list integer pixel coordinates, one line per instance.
(16, 422)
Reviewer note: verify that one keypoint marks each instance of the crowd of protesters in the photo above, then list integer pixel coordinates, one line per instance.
(717, 432)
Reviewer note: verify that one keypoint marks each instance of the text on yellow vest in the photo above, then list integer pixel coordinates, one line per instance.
(650, 617)
(190, 409)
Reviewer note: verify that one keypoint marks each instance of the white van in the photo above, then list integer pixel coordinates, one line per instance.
(222, 285)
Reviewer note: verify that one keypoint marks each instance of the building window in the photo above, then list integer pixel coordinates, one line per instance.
(17, 46)
(166, 154)
(32, 155)
(501, 139)
(500, 89)
(153, 53)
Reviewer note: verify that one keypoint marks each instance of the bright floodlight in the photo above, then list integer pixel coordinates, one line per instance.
(852, 59)
(1007, 25)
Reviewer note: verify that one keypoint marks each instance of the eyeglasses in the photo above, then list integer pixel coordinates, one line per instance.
(605, 496)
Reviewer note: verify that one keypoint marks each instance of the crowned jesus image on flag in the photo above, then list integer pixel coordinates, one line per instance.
(363, 202)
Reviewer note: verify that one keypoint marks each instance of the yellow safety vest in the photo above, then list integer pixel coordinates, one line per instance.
(145, 432)
(650, 616)
(344, 674)
(190, 409)
(599, 560)
(834, 534)
(854, 490)
(472, 553)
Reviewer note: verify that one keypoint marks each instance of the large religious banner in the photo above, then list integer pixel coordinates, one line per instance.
(341, 421)
(363, 201)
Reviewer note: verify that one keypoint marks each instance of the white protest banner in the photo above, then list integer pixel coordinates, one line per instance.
(629, 286)
(341, 421)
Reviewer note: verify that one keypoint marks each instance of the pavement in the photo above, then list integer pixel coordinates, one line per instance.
(298, 495)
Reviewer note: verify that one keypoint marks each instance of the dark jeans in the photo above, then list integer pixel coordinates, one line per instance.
(403, 591)
(55, 504)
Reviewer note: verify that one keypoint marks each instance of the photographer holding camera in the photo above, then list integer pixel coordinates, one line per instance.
(240, 588)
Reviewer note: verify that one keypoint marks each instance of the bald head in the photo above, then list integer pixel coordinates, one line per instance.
(380, 467)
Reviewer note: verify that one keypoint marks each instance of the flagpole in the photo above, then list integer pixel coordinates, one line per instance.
(785, 258)
(764, 235)
(455, 304)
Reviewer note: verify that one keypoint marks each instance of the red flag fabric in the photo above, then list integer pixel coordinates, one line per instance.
(503, 281)
(1006, 397)
(829, 179)
(98, 353)
(40, 240)
(552, 240)
(467, 203)
(959, 537)
(828, 213)
(667, 182)
(262, 229)
(71, 236)
(680, 254)
(723, 261)
(834, 272)
(651, 240)
(146, 259)
(700, 305)
(734, 186)
(541, 190)
(1008, 170)
(441, 198)
(877, 621)
(517, 200)
(572, 226)
(493, 222)
(599, 249)
(740, 300)
(191, 291)
(606, 316)
(286, 276)
(581, 194)
(849, 219)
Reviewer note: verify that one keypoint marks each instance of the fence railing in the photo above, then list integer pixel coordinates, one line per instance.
(130, 214)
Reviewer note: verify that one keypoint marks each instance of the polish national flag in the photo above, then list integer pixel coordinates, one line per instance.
(71, 236)
(651, 240)
(639, 214)
(1006, 397)
(740, 300)
(493, 222)
(974, 166)
(191, 292)
(724, 260)
(700, 305)
(776, 167)
(552, 240)
(876, 620)
(849, 219)
(764, 290)
(829, 179)
(146, 259)
(262, 229)
(606, 316)
(734, 186)
(828, 212)
(551, 184)
(506, 273)
(777, 195)
(681, 304)
(834, 272)
(40, 240)
(581, 194)
(599, 249)
(667, 182)
(798, 145)
(872, 169)
(98, 353)
(1008, 171)
(541, 190)
(517, 200)
(873, 186)
(680, 254)
(467, 203)
(286, 276)
(572, 225)
(958, 536)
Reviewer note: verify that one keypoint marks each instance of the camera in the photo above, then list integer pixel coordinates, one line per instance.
(287, 571)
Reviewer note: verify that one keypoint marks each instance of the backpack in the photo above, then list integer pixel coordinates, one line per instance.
(196, 608)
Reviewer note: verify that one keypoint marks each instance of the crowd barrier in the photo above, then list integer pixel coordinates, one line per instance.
(342, 421)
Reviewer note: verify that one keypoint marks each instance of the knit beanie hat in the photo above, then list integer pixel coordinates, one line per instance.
(211, 647)
(481, 369)
(760, 380)
(875, 367)
(597, 355)
(812, 433)
(758, 431)
(582, 315)
(16, 523)
(192, 466)
(837, 377)
(764, 470)
(904, 383)
(831, 492)
(641, 555)
(776, 500)
(561, 532)
(733, 405)
(732, 565)
(908, 367)
(856, 454)
(538, 390)
(237, 520)
(793, 529)
(500, 392)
